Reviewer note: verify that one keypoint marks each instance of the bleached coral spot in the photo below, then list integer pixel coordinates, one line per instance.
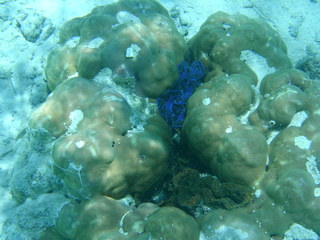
(229, 129)
(203, 237)
(76, 74)
(226, 26)
(132, 51)
(257, 193)
(297, 231)
(206, 101)
(95, 43)
(125, 17)
(104, 77)
(73, 42)
(80, 144)
(224, 232)
(298, 119)
(311, 166)
(302, 142)
(75, 117)
(227, 231)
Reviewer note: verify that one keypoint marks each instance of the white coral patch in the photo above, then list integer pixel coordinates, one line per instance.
(257, 193)
(95, 43)
(104, 77)
(80, 144)
(73, 42)
(76, 74)
(230, 231)
(298, 119)
(311, 166)
(296, 231)
(75, 117)
(229, 129)
(132, 51)
(302, 142)
(125, 17)
(206, 101)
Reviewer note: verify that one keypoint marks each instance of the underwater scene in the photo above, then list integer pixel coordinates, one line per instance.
(160, 120)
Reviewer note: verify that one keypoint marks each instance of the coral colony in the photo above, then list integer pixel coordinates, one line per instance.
(259, 174)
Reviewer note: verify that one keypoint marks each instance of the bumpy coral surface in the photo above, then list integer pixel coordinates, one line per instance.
(284, 93)
(106, 218)
(240, 126)
(99, 151)
(133, 38)
(231, 123)
(231, 225)
(223, 37)
(235, 152)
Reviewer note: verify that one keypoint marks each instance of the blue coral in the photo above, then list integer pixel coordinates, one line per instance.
(172, 103)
